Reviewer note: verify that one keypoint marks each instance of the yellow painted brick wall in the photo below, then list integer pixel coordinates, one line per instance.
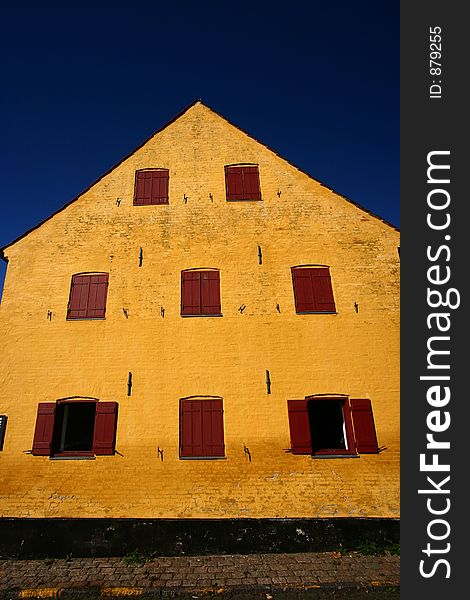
(173, 357)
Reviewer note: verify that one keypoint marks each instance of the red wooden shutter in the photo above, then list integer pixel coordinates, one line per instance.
(210, 292)
(364, 428)
(201, 428)
(44, 428)
(299, 427)
(212, 428)
(234, 183)
(190, 292)
(303, 292)
(312, 290)
(143, 187)
(160, 186)
(88, 296)
(104, 436)
(242, 183)
(251, 187)
(97, 296)
(322, 290)
(190, 428)
(78, 300)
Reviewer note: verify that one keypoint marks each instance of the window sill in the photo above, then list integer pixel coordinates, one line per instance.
(317, 312)
(216, 315)
(165, 203)
(77, 457)
(322, 456)
(85, 319)
(245, 200)
(203, 458)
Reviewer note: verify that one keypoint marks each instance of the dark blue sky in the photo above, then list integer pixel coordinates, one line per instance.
(83, 85)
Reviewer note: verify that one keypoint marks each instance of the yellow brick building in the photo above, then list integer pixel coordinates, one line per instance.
(196, 387)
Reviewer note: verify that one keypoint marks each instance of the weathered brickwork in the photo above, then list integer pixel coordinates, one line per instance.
(353, 352)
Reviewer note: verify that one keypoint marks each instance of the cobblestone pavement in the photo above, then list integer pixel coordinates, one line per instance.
(267, 576)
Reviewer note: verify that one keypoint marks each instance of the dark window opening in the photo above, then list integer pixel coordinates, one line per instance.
(327, 427)
(74, 427)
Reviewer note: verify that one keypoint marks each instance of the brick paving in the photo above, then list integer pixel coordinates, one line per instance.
(263, 574)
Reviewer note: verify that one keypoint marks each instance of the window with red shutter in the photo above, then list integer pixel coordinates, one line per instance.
(151, 187)
(324, 426)
(88, 293)
(313, 292)
(242, 182)
(75, 428)
(201, 428)
(200, 293)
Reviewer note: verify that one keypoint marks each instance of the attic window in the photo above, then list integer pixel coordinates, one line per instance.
(313, 292)
(87, 298)
(242, 182)
(151, 187)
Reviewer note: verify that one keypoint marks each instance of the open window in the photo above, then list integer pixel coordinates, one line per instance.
(332, 426)
(75, 427)
(328, 426)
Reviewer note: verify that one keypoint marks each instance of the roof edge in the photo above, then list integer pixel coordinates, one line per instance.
(167, 124)
(110, 170)
(356, 204)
